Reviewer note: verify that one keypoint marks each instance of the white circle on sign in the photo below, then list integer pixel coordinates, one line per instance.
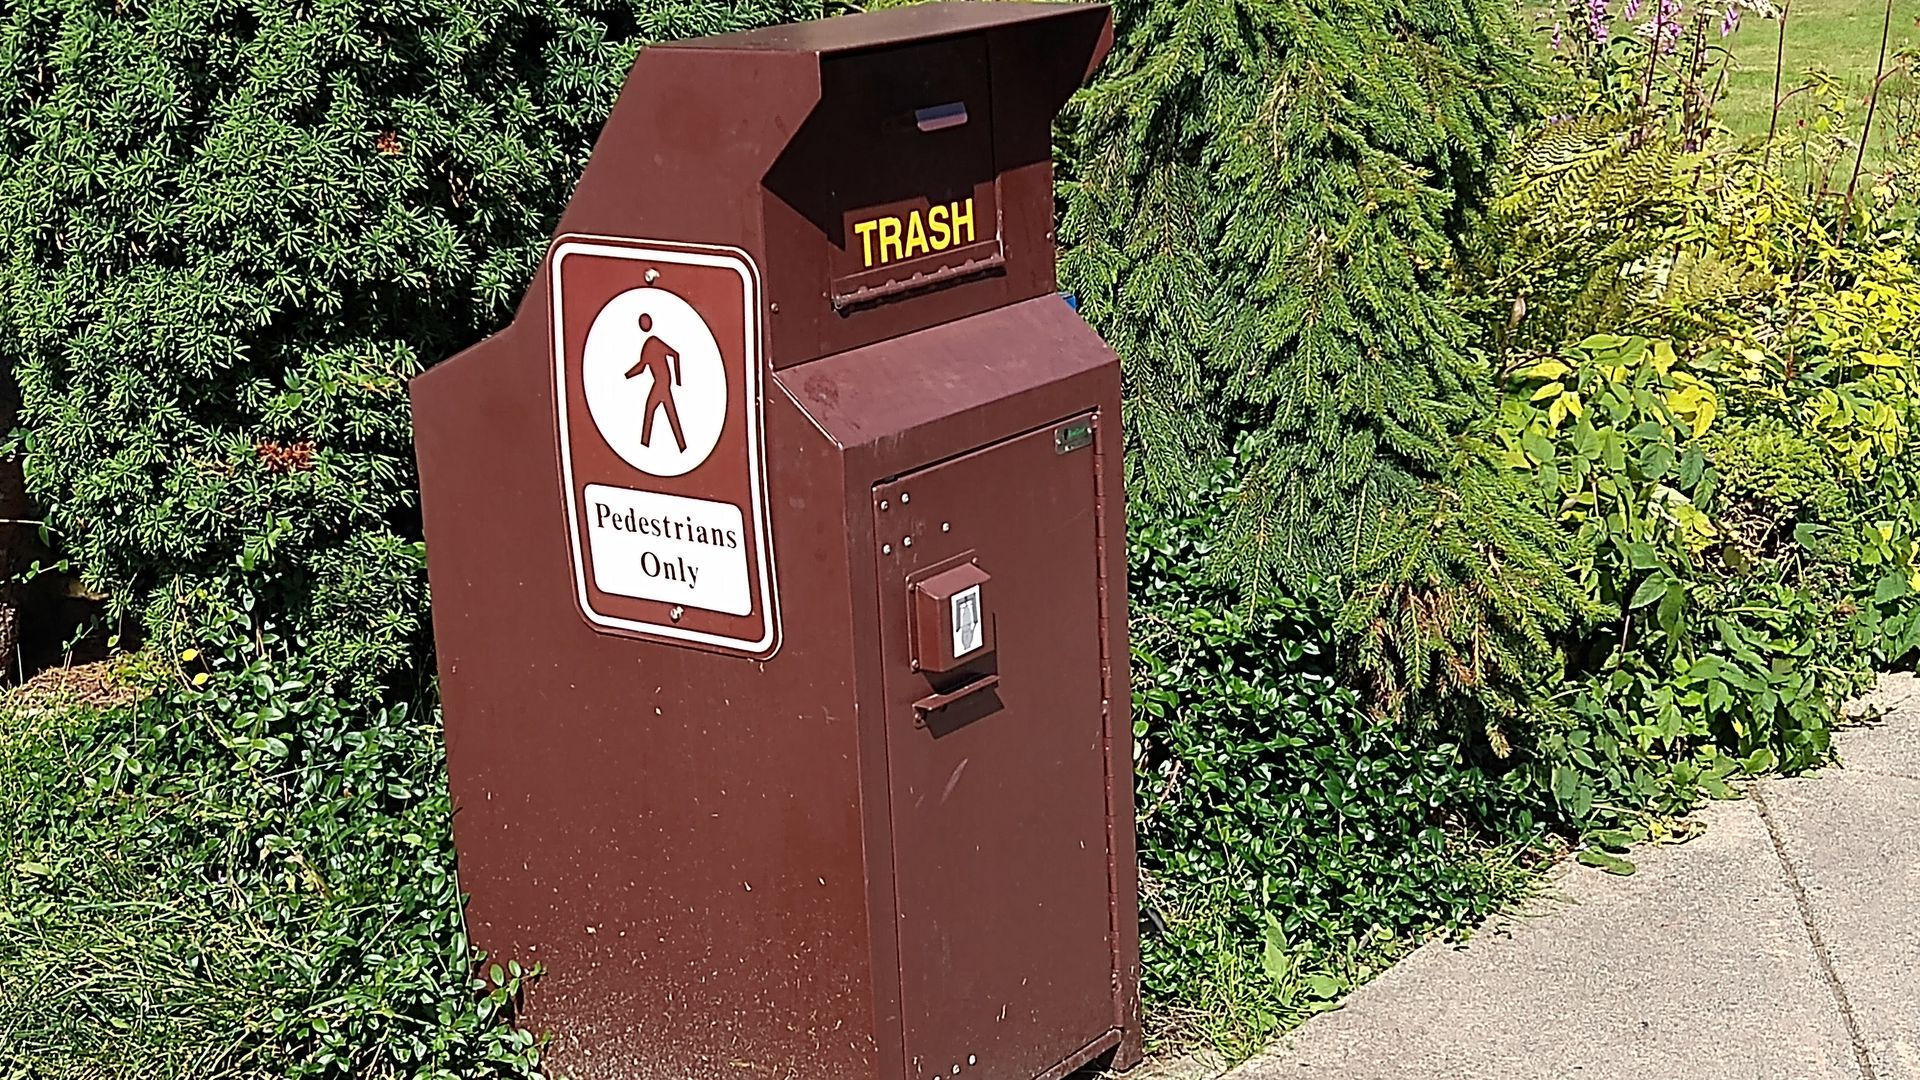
(655, 383)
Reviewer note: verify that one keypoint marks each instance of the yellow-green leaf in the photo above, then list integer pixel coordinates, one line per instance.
(1703, 416)
(1663, 357)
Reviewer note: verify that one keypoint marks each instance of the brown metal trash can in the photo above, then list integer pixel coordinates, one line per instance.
(778, 582)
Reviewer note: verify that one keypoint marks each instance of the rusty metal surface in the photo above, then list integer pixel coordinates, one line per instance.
(699, 848)
(1091, 1052)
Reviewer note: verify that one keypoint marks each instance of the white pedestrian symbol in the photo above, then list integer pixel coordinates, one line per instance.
(655, 383)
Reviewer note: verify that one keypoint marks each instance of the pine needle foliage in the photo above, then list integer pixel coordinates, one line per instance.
(1261, 198)
(230, 231)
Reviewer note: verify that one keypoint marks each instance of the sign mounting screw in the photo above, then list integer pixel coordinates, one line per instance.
(883, 504)
(906, 541)
(676, 613)
(946, 526)
(652, 275)
(886, 549)
(905, 498)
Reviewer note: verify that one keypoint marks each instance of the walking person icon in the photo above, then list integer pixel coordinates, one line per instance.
(649, 353)
(658, 359)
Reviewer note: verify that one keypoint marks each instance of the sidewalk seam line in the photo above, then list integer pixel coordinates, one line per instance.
(1862, 1057)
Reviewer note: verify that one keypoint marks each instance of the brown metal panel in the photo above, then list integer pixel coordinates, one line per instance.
(929, 397)
(893, 26)
(841, 165)
(954, 387)
(698, 848)
(677, 837)
(1088, 1053)
(1117, 702)
(999, 799)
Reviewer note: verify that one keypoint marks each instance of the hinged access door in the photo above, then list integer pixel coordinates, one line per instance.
(996, 756)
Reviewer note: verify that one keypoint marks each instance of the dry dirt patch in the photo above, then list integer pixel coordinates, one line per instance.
(98, 685)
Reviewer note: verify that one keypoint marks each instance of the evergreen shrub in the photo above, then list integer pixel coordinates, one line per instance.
(231, 230)
(1707, 380)
(1291, 840)
(1260, 202)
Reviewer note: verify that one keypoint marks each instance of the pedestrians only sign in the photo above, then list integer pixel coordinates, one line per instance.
(657, 390)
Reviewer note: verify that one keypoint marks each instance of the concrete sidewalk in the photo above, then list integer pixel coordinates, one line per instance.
(1781, 944)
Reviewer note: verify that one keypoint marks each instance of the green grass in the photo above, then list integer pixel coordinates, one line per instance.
(233, 877)
(1243, 995)
(101, 973)
(1841, 37)
(1838, 37)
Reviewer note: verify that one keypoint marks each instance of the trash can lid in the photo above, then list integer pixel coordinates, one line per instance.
(892, 26)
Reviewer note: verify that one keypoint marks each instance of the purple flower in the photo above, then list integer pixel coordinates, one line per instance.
(1556, 37)
(1597, 19)
(1633, 8)
(1664, 27)
(1730, 21)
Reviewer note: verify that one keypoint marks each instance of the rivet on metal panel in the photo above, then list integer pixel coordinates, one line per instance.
(652, 275)
(946, 526)
(886, 549)
(905, 498)
(676, 613)
(883, 504)
(774, 308)
(906, 541)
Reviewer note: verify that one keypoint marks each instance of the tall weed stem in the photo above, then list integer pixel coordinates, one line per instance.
(1779, 69)
(1873, 101)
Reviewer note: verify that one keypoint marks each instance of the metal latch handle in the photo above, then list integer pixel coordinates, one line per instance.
(933, 703)
(940, 117)
(993, 262)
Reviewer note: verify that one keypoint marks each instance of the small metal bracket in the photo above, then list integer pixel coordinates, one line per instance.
(933, 703)
(1072, 436)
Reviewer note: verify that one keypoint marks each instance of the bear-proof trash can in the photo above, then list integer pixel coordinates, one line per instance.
(778, 582)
